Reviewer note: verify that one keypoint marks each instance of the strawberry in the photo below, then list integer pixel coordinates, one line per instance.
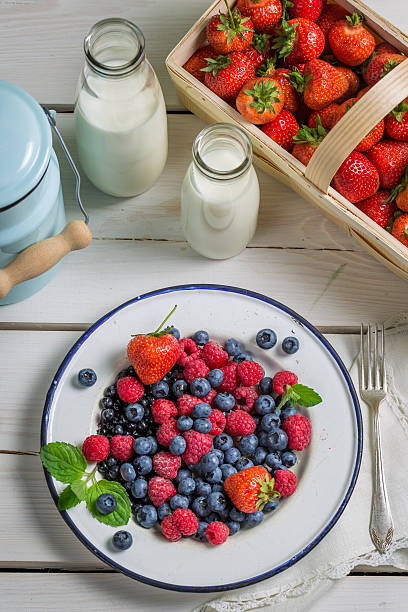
(400, 192)
(379, 65)
(259, 50)
(400, 229)
(402, 200)
(362, 92)
(260, 100)
(153, 355)
(251, 489)
(378, 208)
(372, 137)
(389, 157)
(307, 140)
(396, 122)
(385, 47)
(349, 40)
(308, 9)
(230, 32)
(282, 129)
(197, 62)
(323, 84)
(357, 178)
(291, 100)
(264, 14)
(330, 14)
(353, 83)
(226, 74)
(299, 40)
(327, 116)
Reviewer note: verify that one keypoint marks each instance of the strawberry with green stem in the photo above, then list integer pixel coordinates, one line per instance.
(259, 50)
(378, 65)
(307, 140)
(260, 100)
(264, 14)
(379, 208)
(251, 489)
(230, 32)
(396, 122)
(400, 192)
(226, 74)
(350, 41)
(299, 40)
(400, 229)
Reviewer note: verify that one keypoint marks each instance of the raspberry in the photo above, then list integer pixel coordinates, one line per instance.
(240, 423)
(245, 397)
(282, 379)
(216, 533)
(198, 444)
(214, 356)
(170, 529)
(186, 521)
(129, 389)
(208, 399)
(298, 429)
(122, 447)
(250, 373)
(218, 421)
(167, 431)
(230, 381)
(160, 489)
(96, 448)
(189, 351)
(186, 403)
(285, 482)
(166, 464)
(162, 410)
(195, 369)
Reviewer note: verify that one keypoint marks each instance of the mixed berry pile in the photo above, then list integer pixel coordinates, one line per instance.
(294, 69)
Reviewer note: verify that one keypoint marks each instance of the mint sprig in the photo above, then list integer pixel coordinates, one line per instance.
(121, 514)
(63, 461)
(67, 499)
(301, 395)
(79, 489)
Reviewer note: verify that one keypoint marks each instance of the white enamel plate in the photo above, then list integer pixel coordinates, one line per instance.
(327, 470)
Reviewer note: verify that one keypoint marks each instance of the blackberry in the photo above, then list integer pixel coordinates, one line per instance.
(111, 461)
(110, 391)
(118, 430)
(106, 402)
(122, 374)
(108, 413)
(102, 467)
(143, 401)
(131, 371)
(117, 405)
(113, 473)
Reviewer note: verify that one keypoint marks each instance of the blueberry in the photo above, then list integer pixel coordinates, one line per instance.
(153, 444)
(259, 455)
(209, 462)
(179, 501)
(236, 515)
(200, 534)
(201, 410)
(254, 518)
(186, 486)
(107, 414)
(262, 437)
(270, 506)
(217, 502)
(200, 387)
(160, 389)
(243, 463)
(213, 516)
(163, 510)
(214, 476)
(223, 515)
(290, 345)
(232, 455)
(143, 465)
(139, 488)
(227, 470)
(287, 412)
(273, 460)
(201, 337)
(178, 445)
(118, 431)
(113, 472)
(224, 401)
(233, 347)
(102, 467)
(122, 540)
(277, 440)
(203, 488)
(215, 377)
(202, 425)
(244, 356)
(181, 474)
(223, 442)
(86, 377)
(219, 454)
(264, 404)
(288, 459)
(111, 462)
(265, 385)
(184, 423)
(107, 402)
(179, 388)
(142, 446)
(200, 507)
(270, 422)
(127, 471)
(194, 467)
(266, 338)
(134, 412)
(174, 332)
(248, 444)
(217, 487)
(233, 527)
(106, 503)
(147, 516)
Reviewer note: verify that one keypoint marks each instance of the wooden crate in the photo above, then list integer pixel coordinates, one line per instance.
(311, 182)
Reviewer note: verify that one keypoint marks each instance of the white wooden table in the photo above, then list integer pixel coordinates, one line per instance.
(296, 256)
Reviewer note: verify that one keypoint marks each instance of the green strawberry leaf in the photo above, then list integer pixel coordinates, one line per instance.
(121, 515)
(79, 489)
(67, 499)
(63, 461)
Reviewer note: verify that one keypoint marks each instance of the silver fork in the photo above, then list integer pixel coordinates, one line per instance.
(373, 389)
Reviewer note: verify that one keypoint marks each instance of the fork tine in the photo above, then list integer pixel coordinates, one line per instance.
(384, 373)
(376, 360)
(362, 370)
(369, 371)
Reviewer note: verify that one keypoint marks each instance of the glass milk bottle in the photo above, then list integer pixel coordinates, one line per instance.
(220, 193)
(120, 115)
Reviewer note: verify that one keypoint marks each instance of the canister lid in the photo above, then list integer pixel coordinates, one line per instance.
(25, 143)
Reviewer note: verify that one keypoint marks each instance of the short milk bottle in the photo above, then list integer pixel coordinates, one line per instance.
(220, 193)
(120, 115)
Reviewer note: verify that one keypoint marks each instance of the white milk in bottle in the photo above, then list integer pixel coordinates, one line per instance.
(120, 115)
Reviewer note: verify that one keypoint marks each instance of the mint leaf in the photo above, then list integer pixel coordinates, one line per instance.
(79, 489)
(67, 499)
(306, 396)
(121, 515)
(63, 461)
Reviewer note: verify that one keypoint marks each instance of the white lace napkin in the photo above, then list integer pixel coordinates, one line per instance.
(349, 543)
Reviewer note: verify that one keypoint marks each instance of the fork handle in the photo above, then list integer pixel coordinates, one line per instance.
(381, 525)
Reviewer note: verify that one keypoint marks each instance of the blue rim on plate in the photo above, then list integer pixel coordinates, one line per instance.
(248, 581)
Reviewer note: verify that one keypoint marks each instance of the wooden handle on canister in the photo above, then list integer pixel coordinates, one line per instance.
(42, 256)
